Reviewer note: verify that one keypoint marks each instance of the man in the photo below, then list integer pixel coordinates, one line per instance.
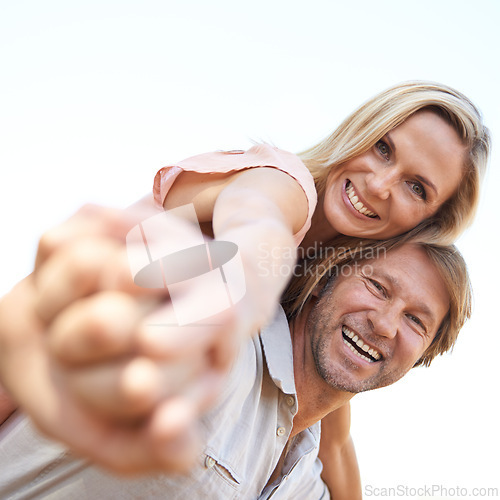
(362, 329)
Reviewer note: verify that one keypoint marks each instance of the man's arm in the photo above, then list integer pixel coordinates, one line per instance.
(340, 466)
(7, 405)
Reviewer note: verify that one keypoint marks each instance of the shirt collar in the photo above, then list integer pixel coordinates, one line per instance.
(277, 345)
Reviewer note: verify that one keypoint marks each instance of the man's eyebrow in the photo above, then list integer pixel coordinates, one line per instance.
(392, 280)
(420, 306)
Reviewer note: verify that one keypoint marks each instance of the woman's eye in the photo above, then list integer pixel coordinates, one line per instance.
(383, 149)
(418, 189)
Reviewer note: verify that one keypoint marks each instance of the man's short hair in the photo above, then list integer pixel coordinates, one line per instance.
(345, 252)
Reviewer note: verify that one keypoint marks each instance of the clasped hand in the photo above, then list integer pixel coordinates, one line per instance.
(83, 356)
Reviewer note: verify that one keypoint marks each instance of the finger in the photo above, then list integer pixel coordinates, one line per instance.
(125, 449)
(96, 328)
(127, 390)
(81, 268)
(160, 336)
(122, 391)
(205, 389)
(72, 273)
(168, 442)
(174, 434)
(131, 450)
(92, 221)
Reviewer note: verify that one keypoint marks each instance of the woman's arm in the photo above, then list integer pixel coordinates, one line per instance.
(340, 466)
(259, 209)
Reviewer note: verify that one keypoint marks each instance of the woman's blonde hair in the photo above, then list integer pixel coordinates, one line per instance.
(320, 273)
(368, 124)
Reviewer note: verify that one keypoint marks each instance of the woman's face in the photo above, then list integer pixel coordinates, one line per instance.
(402, 180)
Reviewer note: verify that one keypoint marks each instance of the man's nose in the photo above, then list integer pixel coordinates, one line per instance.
(384, 321)
(380, 181)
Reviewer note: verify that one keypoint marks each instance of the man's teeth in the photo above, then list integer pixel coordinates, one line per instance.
(365, 347)
(356, 203)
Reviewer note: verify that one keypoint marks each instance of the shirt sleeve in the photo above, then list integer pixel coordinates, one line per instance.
(260, 155)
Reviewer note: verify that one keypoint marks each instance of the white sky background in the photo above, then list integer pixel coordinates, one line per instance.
(96, 96)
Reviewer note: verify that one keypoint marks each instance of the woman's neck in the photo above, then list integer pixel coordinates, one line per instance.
(320, 231)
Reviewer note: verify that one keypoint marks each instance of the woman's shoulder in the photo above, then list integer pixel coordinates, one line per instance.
(220, 162)
(259, 155)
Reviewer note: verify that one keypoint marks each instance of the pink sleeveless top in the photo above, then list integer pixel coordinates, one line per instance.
(261, 155)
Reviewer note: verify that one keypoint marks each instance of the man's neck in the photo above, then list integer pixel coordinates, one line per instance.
(316, 398)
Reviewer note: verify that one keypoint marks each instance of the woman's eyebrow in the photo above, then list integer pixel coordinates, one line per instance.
(428, 183)
(421, 178)
(390, 141)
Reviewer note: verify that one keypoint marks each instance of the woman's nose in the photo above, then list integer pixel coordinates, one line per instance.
(380, 181)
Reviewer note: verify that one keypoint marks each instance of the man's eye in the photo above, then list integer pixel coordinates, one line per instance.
(418, 189)
(415, 320)
(378, 286)
(383, 149)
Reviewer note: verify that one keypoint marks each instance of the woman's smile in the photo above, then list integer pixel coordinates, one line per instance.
(355, 201)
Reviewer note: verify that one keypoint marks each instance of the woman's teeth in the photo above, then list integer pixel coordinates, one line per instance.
(356, 203)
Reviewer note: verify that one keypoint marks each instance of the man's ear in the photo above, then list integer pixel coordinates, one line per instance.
(324, 282)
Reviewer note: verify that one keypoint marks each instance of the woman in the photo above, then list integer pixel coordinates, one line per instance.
(412, 155)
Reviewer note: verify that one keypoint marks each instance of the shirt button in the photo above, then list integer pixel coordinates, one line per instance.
(209, 462)
(290, 400)
(280, 431)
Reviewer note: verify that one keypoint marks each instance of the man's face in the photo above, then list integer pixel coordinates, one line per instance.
(371, 327)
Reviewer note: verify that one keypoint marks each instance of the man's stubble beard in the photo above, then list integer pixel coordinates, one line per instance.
(338, 377)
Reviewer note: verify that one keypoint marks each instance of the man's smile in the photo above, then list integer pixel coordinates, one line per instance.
(358, 346)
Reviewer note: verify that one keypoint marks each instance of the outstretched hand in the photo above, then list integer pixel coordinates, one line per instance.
(83, 354)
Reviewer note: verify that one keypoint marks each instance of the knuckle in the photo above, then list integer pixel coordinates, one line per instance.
(100, 319)
(95, 328)
(83, 261)
(48, 242)
(87, 209)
